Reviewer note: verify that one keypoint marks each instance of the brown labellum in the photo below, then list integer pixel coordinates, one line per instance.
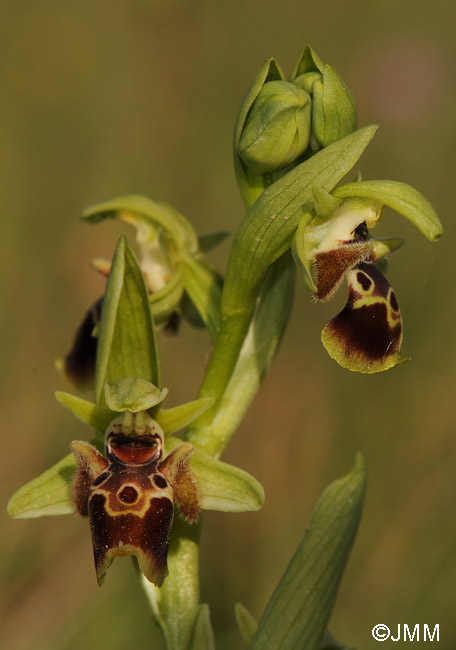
(366, 335)
(129, 497)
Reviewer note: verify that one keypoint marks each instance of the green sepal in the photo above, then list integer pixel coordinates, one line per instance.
(302, 248)
(308, 62)
(298, 612)
(209, 240)
(202, 636)
(149, 215)
(333, 108)
(246, 623)
(203, 286)
(127, 345)
(173, 419)
(252, 185)
(88, 412)
(46, 495)
(402, 198)
(223, 487)
(133, 394)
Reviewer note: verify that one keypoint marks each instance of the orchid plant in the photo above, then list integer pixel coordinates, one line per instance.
(294, 142)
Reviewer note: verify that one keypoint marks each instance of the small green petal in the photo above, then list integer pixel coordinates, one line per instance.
(246, 623)
(173, 419)
(402, 198)
(222, 486)
(92, 414)
(133, 394)
(48, 494)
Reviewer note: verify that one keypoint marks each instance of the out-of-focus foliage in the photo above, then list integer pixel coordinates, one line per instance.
(141, 97)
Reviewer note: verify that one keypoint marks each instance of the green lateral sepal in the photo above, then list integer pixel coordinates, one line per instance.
(47, 495)
(222, 486)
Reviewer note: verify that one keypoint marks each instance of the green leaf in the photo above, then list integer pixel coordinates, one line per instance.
(149, 215)
(402, 198)
(127, 345)
(95, 416)
(263, 236)
(222, 486)
(202, 285)
(173, 419)
(257, 353)
(133, 394)
(298, 612)
(246, 623)
(48, 494)
(202, 634)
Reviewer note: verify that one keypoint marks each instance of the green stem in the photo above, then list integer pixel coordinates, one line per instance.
(265, 234)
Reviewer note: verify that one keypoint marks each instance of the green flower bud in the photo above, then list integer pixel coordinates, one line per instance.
(277, 128)
(333, 108)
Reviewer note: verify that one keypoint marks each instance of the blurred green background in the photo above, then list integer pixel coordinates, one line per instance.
(103, 98)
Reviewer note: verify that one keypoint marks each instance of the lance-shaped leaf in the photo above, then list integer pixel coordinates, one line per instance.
(48, 494)
(150, 215)
(263, 236)
(203, 286)
(127, 345)
(400, 197)
(298, 612)
(246, 623)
